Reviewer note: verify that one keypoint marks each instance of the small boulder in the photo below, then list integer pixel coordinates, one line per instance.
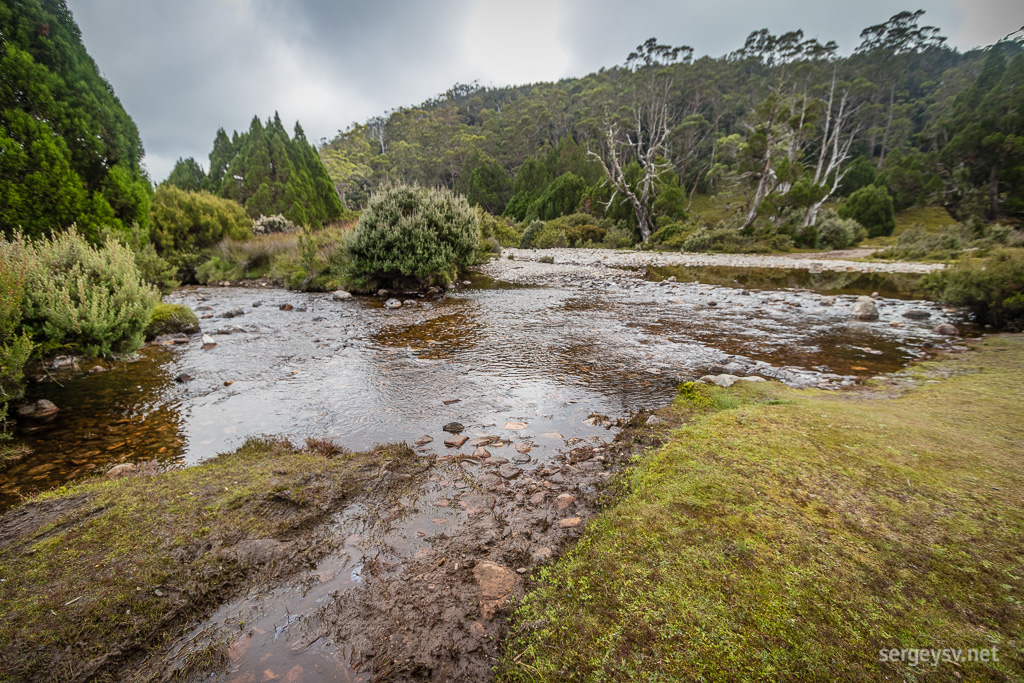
(495, 584)
(946, 329)
(523, 447)
(119, 470)
(864, 309)
(571, 523)
(285, 307)
(453, 427)
(455, 441)
(509, 471)
(234, 313)
(563, 501)
(481, 452)
(515, 425)
(41, 410)
(424, 440)
(724, 381)
(917, 314)
(341, 295)
(392, 304)
(184, 377)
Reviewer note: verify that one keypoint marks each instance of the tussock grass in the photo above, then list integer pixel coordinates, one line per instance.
(791, 535)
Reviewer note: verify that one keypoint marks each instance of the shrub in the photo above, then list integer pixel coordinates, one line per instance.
(15, 345)
(413, 236)
(500, 228)
(992, 288)
(153, 268)
(530, 234)
(618, 237)
(837, 233)
(673, 235)
(872, 207)
(918, 244)
(562, 197)
(186, 224)
(85, 299)
(171, 319)
(265, 225)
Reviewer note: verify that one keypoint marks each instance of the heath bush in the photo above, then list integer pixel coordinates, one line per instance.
(993, 288)
(15, 345)
(413, 237)
(81, 298)
(872, 207)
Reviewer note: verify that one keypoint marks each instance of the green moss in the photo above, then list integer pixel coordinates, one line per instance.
(81, 567)
(796, 534)
(172, 319)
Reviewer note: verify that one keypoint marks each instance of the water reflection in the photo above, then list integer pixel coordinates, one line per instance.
(547, 356)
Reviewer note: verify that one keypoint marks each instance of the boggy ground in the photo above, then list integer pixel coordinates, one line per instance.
(794, 535)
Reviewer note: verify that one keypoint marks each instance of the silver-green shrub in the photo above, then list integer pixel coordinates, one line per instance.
(411, 237)
(81, 298)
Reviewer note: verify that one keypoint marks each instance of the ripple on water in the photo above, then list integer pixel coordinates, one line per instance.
(353, 371)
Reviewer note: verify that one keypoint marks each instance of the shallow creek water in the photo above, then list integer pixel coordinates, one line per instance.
(361, 374)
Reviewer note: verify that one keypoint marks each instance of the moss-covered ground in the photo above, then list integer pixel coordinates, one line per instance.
(794, 535)
(95, 575)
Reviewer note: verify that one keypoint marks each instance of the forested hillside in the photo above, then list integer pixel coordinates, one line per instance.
(782, 126)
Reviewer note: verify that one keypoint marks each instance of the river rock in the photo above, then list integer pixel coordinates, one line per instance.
(864, 309)
(341, 295)
(483, 441)
(234, 313)
(570, 522)
(520, 458)
(184, 377)
(946, 329)
(393, 304)
(96, 368)
(208, 342)
(257, 304)
(724, 381)
(286, 307)
(453, 427)
(563, 501)
(515, 425)
(489, 480)
(455, 441)
(509, 471)
(424, 440)
(542, 554)
(119, 470)
(523, 447)
(917, 314)
(481, 452)
(41, 410)
(551, 435)
(495, 584)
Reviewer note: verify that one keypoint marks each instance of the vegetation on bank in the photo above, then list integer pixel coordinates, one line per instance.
(62, 294)
(792, 535)
(100, 573)
(171, 319)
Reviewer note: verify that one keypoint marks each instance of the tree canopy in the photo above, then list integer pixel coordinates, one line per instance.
(68, 151)
(266, 172)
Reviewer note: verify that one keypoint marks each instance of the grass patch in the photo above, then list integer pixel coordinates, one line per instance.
(796, 534)
(98, 574)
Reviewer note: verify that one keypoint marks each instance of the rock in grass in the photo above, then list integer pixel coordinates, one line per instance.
(172, 319)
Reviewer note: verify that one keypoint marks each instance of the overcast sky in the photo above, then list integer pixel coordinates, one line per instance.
(183, 68)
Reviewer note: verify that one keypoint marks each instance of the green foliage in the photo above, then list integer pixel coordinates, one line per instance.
(838, 233)
(269, 173)
(562, 197)
(81, 298)
(188, 175)
(485, 184)
(15, 345)
(154, 269)
(68, 151)
(500, 228)
(531, 235)
(413, 236)
(186, 224)
(672, 235)
(992, 288)
(171, 319)
(918, 244)
(730, 240)
(860, 173)
(872, 207)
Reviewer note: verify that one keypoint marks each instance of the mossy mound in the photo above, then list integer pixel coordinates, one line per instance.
(172, 319)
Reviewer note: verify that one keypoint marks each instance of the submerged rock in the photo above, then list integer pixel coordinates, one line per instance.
(917, 314)
(41, 410)
(453, 427)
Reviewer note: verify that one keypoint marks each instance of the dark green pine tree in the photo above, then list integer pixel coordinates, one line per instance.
(187, 175)
(68, 151)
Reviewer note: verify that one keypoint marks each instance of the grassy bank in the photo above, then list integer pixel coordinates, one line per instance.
(96, 575)
(792, 535)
